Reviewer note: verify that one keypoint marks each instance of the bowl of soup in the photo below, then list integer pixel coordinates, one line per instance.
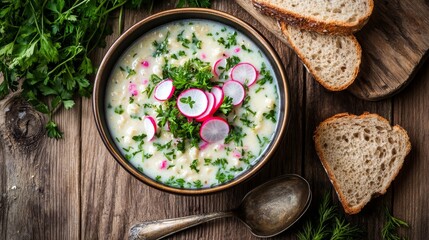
(191, 101)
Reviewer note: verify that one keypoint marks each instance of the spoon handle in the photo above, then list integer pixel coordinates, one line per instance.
(161, 228)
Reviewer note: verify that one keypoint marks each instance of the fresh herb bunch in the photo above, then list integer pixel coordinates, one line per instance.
(391, 226)
(330, 225)
(45, 48)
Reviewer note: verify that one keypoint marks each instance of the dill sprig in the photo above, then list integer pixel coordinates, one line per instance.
(330, 225)
(389, 231)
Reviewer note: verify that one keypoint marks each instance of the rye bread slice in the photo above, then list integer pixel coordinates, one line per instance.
(361, 155)
(326, 16)
(333, 60)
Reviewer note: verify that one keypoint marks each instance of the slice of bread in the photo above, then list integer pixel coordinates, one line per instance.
(333, 60)
(324, 16)
(361, 155)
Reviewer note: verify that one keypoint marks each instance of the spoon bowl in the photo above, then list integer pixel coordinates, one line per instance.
(267, 210)
(274, 206)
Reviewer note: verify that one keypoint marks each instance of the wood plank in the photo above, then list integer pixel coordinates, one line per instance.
(411, 189)
(39, 177)
(394, 46)
(321, 104)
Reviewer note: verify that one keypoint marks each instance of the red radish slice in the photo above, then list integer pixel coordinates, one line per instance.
(192, 102)
(245, 73)
(214, 129)
(209, 110)
(218, 94)
(219, 66)
(150, 126)
(164, 90)
(234, 90)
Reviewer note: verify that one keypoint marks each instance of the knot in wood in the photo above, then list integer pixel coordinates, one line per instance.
(23, 123)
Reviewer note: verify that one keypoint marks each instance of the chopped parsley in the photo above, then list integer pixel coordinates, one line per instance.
(196, 41)
(119, 109)
(266, 75)
(194, 166)
(226, 106)
(130, 72)
(271, 115)
(246, 49)
(185, 42)
(230, 41)
(188, 100)
(162, 47)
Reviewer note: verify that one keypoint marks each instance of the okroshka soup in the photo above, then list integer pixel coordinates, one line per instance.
(192, 104)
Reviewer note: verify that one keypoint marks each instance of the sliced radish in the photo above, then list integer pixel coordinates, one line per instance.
(203, 145)
(209, 110)
(150, 126)
(245, 73)
(218, 94)
(192, 102)
(219, 66)
(234, 90)
(214, 129)
(164, 90)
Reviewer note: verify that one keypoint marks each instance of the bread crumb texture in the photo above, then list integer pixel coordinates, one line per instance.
(334, 60)
(361, 155)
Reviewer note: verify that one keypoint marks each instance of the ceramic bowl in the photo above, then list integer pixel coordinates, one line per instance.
(146, 25)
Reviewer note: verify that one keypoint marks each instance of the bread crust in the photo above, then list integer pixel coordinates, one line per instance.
(313, 24)
(314, 72)
(357, 208)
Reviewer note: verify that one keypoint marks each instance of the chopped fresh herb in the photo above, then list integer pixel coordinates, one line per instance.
(185, 42)
(162, 47)
(158, 178)
(259, 89)
(246, 157)
(119, 109)
(235, 169)
(196, 41)
(170, 166)
(109, 106)
(140, 169)
(182, 53)
(246, 49)
(174, 56)
(131, 100)
(198, 184)
(231, 40)
(155, 79)
(160, 147)
(130, 72)
(246, 121)
(173, 182)
(209, 34)
(221, 162)
(266, 75)
(188, 100)
(194, 166)
(193, 74)
(235, 135)
(271, 115)
(262, 141)
(250, 111)
(226, 106)
(207, 161)
(139, 138)
(221, 177)
(147, 155)
(223, 29)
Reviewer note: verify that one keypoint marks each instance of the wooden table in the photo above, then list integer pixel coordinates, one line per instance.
(73, 189)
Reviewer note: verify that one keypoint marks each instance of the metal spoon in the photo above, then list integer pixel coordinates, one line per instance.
(267, 210)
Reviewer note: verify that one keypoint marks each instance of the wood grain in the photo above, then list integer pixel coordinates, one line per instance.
(38, 176)
(411, 188)
(394, 45)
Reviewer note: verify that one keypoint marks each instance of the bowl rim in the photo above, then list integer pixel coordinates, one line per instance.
(276, 63)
